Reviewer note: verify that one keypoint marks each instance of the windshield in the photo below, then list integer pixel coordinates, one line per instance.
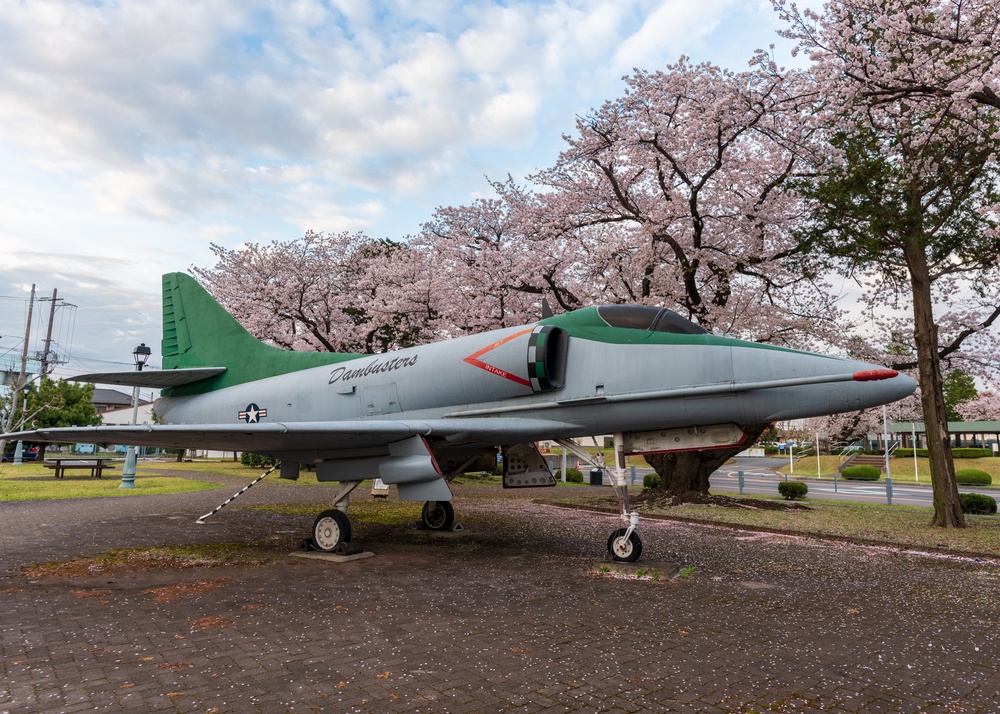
(646, 317)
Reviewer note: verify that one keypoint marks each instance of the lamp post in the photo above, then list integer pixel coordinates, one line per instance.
(141, 355)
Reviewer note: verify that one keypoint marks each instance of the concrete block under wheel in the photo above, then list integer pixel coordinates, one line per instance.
(332, 557)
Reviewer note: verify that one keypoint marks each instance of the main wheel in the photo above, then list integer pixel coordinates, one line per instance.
(438, 515)
(330, 529)
(624, 549)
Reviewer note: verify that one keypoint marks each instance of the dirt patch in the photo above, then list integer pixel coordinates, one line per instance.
(173, 593)
(661, 500)
(205, 623)
(126, 560)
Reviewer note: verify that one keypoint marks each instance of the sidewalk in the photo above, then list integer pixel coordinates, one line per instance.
(506, 616)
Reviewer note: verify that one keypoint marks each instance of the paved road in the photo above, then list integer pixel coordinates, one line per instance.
(760, 477)
(507, 616)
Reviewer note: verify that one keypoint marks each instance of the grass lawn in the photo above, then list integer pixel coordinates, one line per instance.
(901, 525)
(34, 481)
(892, 525)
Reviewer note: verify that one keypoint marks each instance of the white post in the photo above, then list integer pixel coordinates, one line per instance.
(885, 440)
(913, 437)
(128, 470)
(819, 474)
(564, 466)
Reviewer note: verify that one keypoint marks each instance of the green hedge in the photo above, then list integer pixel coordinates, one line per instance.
(861, 472)
(257, 461)
(792, 490)
(958, 453)
(572, 475)
(650, 481)
(973, 477)
(977, 503)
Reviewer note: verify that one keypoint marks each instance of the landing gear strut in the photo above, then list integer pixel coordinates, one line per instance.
(624, 544)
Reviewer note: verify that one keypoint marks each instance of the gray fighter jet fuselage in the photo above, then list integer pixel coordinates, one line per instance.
(415, 417)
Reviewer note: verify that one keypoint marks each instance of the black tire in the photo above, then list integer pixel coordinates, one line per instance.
(438, 515)
(622, 550)
(330, 529)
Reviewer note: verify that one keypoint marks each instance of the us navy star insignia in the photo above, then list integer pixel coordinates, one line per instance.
(253, 414)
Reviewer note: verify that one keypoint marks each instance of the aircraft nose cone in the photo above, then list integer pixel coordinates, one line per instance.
(900, 386)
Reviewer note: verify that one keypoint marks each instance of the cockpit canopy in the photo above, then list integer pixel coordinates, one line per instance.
(646, 317)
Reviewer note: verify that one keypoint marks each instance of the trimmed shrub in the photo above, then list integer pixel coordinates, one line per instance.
(970, 453)
(257, 461)
(572, 475)
(957, 453)
(792, 490)
(861, 472)
(977, 503)
(650, 481)
(973, 477)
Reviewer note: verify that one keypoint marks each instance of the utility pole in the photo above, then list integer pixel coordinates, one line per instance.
(19, 385)
(48, 335)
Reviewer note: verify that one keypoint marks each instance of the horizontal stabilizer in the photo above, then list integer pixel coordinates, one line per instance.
(154, 379)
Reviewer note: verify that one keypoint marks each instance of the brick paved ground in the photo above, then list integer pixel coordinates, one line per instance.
(505, 617)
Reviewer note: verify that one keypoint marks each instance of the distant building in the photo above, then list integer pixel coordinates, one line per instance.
(106, 400)
(124, 416)
(981, 434)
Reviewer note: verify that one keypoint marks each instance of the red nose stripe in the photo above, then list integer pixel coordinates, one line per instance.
(873, 375)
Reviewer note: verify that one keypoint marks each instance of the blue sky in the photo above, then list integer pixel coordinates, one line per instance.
(134, 134)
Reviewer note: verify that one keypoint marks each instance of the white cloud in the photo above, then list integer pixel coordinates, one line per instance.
(134, 133)
(672, 25)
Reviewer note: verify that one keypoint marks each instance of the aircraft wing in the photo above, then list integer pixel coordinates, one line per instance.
(307, 436)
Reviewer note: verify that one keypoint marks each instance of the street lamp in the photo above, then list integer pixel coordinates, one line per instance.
(141, 355)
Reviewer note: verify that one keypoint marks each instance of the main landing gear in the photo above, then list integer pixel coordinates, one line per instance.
(331, 531)
(624, 544)
(438, 516)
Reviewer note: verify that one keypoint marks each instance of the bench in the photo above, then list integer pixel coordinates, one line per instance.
(96, 466)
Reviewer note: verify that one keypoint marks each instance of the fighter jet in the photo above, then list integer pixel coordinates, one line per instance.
(418, 417)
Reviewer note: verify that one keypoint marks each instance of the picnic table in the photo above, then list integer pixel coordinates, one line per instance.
(96, 466)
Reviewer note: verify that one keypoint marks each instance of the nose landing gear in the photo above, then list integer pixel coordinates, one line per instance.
(624, 544)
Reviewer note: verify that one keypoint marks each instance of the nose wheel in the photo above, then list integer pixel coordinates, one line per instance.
(624, 545)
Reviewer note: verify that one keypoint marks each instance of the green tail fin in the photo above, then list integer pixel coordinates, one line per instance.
(198, 332)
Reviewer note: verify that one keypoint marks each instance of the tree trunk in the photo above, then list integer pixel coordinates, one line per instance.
(684, 472)
(947, 507)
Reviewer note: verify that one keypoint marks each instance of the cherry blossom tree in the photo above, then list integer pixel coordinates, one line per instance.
(327, 292)
(493, 266)
(678, 193)
(985, 407)
(909, 192)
